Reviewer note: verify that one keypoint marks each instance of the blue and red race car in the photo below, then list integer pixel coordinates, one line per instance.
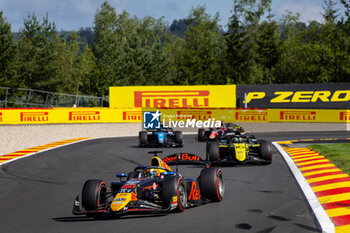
(152, 189)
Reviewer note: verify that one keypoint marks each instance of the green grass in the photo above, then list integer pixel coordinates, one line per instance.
(338, 154)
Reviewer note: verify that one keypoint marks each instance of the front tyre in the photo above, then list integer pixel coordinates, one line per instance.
(265, 152)
(212, 184)
(213, 154)
(174, 190)
(93, 195)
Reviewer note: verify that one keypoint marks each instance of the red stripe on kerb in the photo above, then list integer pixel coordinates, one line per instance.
(337, 204)
(309, 160)
(24, 151)
(297, 153)
(323, 174)
(329, 181)
(314, 164)
(333, 192)
(319, 169)
(303, 156)
(341, 220)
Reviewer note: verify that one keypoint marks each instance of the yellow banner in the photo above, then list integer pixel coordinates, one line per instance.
(134, 115)
(308, 115)
(211, 96)
(257, 115)
(69, 115)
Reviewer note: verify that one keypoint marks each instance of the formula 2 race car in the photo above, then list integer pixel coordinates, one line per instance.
(239, 149)
(162, 137)
(152, 189)
(214, 134)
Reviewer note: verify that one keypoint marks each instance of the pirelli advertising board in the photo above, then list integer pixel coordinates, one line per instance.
(256, 115)
(211, 96)
(134, 115)
(295, 96)
(69, 115)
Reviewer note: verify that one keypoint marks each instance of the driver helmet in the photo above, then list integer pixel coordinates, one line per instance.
(150, 173)
(153, 172)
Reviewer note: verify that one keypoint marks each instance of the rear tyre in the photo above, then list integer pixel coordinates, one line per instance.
(213, 152)
(174, 186)
(201, 134)
(178, 137)
(93, 195)
(211, 183)
(265, 152)
(143, 138)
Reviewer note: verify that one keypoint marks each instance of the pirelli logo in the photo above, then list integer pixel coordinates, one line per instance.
(132, 116)
(298, 115)
(84, 116)
(198, 115)
(251, 116)
(0, 116)
(172, 99)
(344, 116)
(34, 116)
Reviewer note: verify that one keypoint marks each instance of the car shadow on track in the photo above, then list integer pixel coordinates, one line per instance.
(103, 218)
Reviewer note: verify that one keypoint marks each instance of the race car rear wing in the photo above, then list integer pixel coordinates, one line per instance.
(185, 159)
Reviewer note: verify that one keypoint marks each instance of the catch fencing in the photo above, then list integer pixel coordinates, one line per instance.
(30, 98)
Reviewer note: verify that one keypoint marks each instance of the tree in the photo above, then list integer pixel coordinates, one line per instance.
(289, 50)
(106, 48)
(129, 50)
(199, 60)
(178, 27)
(67, 64)
(87, 37)
(38, 54)
(86, 68)
(267, 49)
(8, 52)
(242, 41)
(312, 33)
(235, 45)
(174, 47)
(330, 14)
(146, 61)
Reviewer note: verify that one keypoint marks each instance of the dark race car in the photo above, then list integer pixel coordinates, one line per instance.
(214, 134)
(239, 149)
(152, 189)
(162, 137)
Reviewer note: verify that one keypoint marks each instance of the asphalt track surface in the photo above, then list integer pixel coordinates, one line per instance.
(37, 192)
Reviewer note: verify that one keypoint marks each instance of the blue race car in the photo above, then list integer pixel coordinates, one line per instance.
(162, 137)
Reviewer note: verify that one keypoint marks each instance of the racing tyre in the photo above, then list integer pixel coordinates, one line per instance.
(213, 152)
(211, 183)
(93, 195)
(174, 186)
(201, 134)
(178, 137)
(143, 138)
(265, 152)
